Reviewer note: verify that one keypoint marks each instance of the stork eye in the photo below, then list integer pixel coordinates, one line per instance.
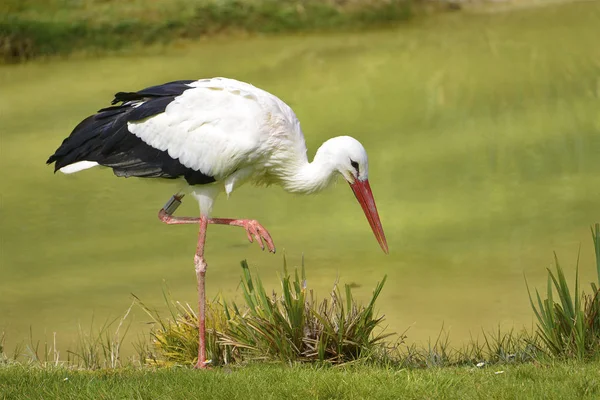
(354, 165)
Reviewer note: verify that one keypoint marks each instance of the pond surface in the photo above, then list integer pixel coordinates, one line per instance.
(483, 133)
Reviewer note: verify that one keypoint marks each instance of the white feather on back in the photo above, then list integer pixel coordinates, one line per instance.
(219, 126)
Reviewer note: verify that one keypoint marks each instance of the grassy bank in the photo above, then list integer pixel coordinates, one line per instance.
(36, 28)
(557, 381)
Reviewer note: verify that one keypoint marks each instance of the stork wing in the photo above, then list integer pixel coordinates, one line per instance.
(202, 130)
(211, 128)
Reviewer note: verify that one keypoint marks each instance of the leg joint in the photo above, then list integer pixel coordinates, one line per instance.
(200, 265)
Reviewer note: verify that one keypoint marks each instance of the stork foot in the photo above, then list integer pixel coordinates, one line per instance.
(255, 231)
(204, 365)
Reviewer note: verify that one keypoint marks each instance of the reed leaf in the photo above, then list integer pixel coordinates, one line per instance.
(570, 325)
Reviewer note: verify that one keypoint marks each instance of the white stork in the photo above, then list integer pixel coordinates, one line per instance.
(215, 134)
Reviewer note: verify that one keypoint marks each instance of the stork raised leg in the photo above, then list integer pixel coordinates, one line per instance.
(254, 231)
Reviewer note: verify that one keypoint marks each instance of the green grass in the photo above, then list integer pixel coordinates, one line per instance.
(483, 134)
(34, 28)
(558, 381)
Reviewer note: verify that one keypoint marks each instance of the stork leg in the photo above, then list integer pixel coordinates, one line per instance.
(165, 215)
(200, 266)
(254, 231)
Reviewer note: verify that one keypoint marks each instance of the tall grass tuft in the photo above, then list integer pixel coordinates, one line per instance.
(268, 327)
(100, 348)
(3, 357)
(291, 327)
(596, 238)
(339, 333)
(175, 340)
(6, 359)
(294, 326)
(570, 326)
(499, 347)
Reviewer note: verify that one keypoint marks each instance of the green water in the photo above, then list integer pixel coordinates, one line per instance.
(483, 133)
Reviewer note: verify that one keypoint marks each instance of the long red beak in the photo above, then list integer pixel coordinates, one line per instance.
(362, 191)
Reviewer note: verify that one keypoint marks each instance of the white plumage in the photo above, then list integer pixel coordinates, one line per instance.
(221, 125)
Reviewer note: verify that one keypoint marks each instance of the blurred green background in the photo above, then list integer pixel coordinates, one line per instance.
(483, 132)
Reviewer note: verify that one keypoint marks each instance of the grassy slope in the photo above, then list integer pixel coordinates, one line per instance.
(34, 28)
(560, 381)
(483, 133)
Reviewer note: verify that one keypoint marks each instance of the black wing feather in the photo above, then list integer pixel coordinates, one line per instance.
(174, 88)
(105, 139)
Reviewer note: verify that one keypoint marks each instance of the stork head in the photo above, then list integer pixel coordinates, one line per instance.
(350, 160)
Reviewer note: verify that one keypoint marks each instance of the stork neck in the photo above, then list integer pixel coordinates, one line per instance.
(311, 177)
